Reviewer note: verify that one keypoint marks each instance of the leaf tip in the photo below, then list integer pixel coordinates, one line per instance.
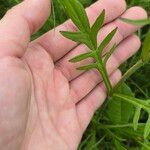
(62, 32)
(115, 30)
(72, 60)
(103, 12)
(80, 68)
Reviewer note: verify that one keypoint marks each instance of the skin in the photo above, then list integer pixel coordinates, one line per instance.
(45, 103)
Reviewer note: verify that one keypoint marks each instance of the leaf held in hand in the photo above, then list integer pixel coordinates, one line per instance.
(88, 36)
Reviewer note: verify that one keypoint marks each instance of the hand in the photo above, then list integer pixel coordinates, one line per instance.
(45, 103)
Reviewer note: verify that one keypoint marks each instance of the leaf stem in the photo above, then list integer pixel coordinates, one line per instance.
(132, 70)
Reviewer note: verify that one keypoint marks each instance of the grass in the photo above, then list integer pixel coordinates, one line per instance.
(111, 136)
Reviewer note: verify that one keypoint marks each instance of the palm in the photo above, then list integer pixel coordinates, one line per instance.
(45, 102)
(54, 110)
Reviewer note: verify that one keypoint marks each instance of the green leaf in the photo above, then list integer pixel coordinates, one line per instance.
(88, 67)
(142, 22)
(81, 57)
(118, 145)
(77, 13)
(96, 27)
(78, 37)
(98, 23)
(146, 48)
(119, 111)
(109, 53)
(136, 117)
(91, 142)
(95, 145)
(141, 104)
(134, 101)
(147, 128)
(114, 111)
(145, 146)
(85, 141)
(106, 41)
(86, 2)
(17, 1)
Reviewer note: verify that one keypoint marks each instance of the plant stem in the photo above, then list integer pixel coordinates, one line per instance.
(132, 70)
(95, 145)
(103, 72)
(105, 126)
(106, 80)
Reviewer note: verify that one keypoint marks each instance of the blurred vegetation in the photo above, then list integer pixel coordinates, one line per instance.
(96, 137)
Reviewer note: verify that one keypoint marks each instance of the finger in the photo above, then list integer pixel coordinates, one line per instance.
(50, 40)
(87, 107)
(19, 23)
(124, 30)
(92, 78)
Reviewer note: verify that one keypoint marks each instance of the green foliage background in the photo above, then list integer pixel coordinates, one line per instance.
(116, 135)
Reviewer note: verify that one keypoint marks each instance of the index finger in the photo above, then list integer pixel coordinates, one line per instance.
(51, 39)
